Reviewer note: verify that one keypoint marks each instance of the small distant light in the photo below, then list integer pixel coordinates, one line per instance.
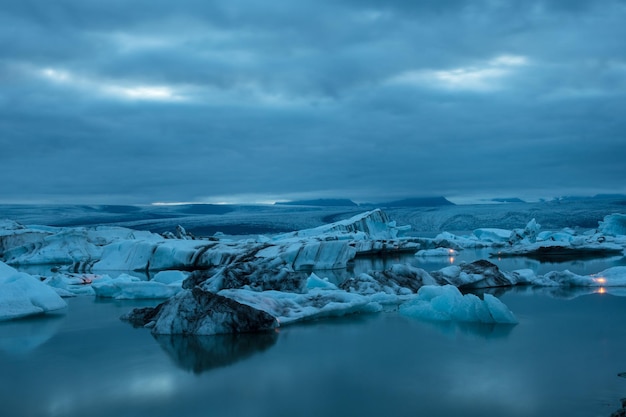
(601, 290)
(600, 280)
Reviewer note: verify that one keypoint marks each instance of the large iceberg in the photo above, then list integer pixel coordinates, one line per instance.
(273, 288)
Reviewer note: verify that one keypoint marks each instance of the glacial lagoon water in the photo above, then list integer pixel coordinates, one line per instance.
(562, 359)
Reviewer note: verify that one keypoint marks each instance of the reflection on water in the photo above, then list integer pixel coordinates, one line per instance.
(481, 330)
(565, 293)
(203, 353)
(20, 337)
(622, 411)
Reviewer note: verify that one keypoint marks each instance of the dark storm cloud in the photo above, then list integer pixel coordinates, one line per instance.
(153, 100)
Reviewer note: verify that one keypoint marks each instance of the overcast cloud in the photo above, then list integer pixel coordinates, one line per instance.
(242, 100)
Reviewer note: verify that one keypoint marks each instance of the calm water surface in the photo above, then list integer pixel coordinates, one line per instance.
(561, 360)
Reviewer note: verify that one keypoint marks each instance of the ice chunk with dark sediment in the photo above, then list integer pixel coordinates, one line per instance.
(202, 312)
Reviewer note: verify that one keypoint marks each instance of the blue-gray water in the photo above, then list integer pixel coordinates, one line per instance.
(561, 360)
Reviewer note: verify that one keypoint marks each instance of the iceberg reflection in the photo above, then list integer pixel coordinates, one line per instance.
(199, 354)
(20, 337)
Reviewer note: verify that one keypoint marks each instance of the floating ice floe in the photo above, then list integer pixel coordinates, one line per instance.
(23, 295)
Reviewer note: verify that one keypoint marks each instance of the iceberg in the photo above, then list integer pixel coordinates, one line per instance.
(23, 295)
(613, 225)
(201, 312)
(373, 224)
(446, 303)
(271, 286)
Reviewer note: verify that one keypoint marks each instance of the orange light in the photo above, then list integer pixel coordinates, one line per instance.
(600, 280)
(451, 259)
(601, 290)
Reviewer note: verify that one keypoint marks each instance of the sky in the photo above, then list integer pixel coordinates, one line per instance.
(133, 102)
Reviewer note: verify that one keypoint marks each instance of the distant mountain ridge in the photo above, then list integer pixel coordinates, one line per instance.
(320, 202)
